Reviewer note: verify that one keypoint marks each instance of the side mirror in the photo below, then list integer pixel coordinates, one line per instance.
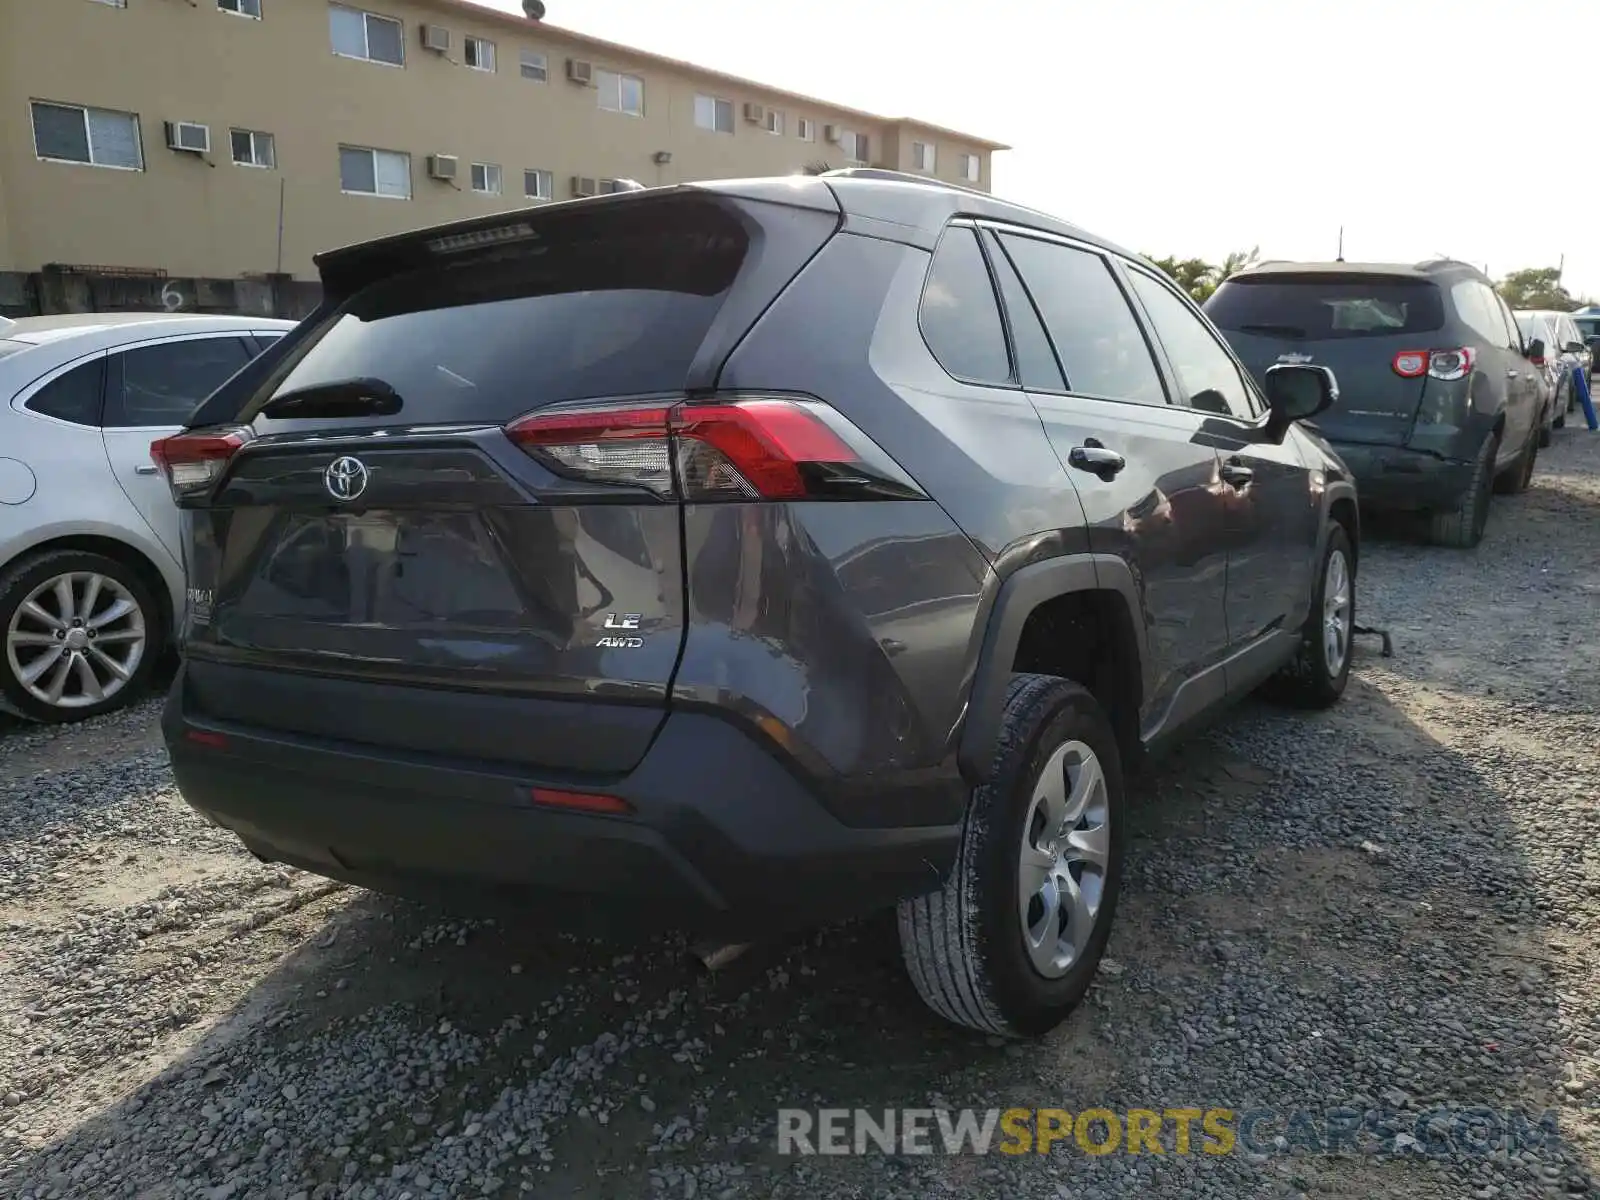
(1574, 348)
(1536, 350)
(1298, 393)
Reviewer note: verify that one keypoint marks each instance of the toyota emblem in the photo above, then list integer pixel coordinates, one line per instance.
(346, 478)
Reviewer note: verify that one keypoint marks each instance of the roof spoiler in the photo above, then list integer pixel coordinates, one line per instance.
(6, 323)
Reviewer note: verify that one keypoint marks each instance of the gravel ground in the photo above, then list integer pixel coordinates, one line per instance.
(1390, 907)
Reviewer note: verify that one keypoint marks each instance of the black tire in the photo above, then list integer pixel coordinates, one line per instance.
(1312, 680)
(1547, 426)
(1462, 526)
(964, 944)
(1516, 478)
(20, 580)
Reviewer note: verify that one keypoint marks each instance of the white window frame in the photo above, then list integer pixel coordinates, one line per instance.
(850, 142)
(241, 9)
(467, 43)
(544, 184)
(255, 156)
(605, 81)
(971, 168)
(536, 60)
(498, 179)
(924, 156)
(111, 3)
(375, 151)
(805, 129)
(773, 122)
(716, 106)
(88, 138)
(366, 34)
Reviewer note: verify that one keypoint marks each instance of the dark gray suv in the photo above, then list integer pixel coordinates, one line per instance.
(749, 555)
(1441, 402)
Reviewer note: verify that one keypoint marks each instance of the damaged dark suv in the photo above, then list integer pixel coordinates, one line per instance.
(749, 554)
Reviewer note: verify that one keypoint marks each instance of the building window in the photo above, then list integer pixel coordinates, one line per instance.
(538, 185)
(97, 137)
(242, 8)
(478, 53)
(714, 114)
(856, 147)
(535, 66)
(805, 129)
(253, 149)
(922, 156)
(113, 3)
(367, 172)
(486, 179)
(774, 122)
(365, 35)
(971, 167)
(620, 93)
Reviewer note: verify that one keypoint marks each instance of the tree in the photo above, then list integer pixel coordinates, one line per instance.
(1193, 275)
(1537, 287)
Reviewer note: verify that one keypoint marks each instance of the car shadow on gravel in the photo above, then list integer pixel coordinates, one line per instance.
(1326, 912)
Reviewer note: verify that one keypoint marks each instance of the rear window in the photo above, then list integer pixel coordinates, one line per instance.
(1588, 326)
(1324, 307)
(614, 305)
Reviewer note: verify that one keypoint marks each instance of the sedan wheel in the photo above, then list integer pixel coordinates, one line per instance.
(80, 634)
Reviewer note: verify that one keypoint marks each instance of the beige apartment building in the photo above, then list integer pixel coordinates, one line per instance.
(234, 138)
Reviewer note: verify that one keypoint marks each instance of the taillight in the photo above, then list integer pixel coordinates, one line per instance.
(743, 448)
(1440, 364)
(1537, 360)
(589, 802)
(193, 461)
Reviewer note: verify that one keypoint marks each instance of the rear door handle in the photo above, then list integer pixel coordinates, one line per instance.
(1237, 474)
(145, 469)
(1096, 459)
(1511, 373)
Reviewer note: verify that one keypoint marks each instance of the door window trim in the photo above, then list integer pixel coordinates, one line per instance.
(1010, 383)
(241, 335)
(19, 401)
(1110, 260)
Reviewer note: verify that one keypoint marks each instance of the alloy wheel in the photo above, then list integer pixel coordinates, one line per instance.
(1066, 848)
(1336, 612)
(76, 640)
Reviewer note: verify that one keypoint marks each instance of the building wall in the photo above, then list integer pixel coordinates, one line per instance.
(192, 216)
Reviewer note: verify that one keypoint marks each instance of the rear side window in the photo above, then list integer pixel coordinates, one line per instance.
(1477, 307)
(608, 304)
(163, 385)
(1322, 307)
(959, 317)
(1096, 337)
(74, 396)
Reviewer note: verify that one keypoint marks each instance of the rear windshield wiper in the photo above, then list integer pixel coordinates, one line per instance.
(1293, 331)
(342, 398)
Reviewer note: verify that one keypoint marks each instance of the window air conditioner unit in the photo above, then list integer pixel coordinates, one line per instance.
(755, 113)
(188, 137)
(443, 166)
(831, 133)
(580, 72)
(584, 186)
(436, 38)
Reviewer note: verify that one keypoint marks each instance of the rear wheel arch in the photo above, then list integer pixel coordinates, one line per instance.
(1076, 617)
(130, 556)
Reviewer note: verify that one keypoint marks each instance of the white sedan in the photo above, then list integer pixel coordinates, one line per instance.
(91, 575)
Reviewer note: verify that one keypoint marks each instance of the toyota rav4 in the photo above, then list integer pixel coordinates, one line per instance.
(751, 553)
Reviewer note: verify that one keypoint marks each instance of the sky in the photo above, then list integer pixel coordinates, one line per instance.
(1196, 128)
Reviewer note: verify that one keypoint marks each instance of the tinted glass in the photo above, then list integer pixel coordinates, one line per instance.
(1509, 336)
(1206, 370)
(611, 303)
(74, 396)
(163, 385)
(1036, 362)
(1474, 305)
(959, 316)
(1319, 306)
(1096, 337)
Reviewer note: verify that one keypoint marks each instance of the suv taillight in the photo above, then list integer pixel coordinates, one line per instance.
(193, 461)
(738, 448)
(1440, 364)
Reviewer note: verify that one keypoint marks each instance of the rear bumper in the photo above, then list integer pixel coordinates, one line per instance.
(1393, 477)
(722, 838)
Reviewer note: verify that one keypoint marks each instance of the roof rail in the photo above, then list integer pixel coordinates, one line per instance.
(889, 176)
(1443, 262)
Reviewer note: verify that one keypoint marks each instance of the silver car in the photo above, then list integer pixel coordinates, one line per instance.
(91, 577)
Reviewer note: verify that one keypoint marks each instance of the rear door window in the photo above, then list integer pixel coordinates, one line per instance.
(75, 395)
(1096, 336)
(1211, 380)
(959, 317)
(610, 303)
(162, 385)
(1036, 361)
(1474, 305)
(1326, 306)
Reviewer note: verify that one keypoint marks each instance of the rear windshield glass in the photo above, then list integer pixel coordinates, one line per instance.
(1319, 307)
(1588, 326)
(614, 305)
(1531, 327)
